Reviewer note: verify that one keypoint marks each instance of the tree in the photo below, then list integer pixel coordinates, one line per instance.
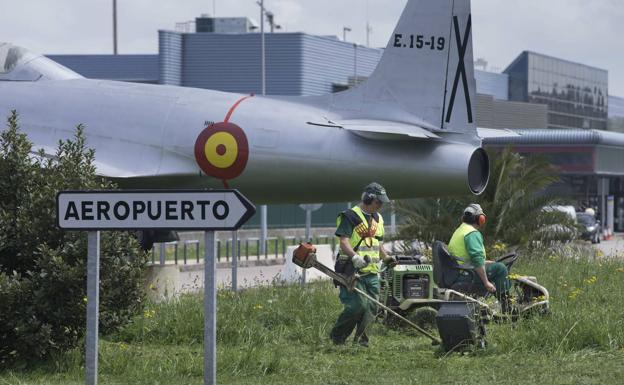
(43, 268)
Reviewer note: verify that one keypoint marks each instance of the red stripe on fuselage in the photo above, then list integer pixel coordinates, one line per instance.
(231, 111)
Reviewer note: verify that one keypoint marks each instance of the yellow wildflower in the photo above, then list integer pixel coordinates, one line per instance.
(149, 313)
(499, 246)
(621, 270)
(514, 276)
(591, 280)
(575, 293)
(258, 307)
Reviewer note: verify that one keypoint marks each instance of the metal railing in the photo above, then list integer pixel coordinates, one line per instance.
(247, 248)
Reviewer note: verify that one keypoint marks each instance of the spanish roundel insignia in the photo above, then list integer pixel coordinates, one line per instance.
(222, 151)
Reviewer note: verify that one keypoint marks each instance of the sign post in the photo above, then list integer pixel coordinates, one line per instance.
(93, 306)
(235, 254)
(210, 310)
(207, 210)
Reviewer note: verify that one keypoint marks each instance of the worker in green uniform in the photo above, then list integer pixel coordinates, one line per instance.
(467, 245)
(361, 231)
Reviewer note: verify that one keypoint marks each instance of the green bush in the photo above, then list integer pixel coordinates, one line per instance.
(42, 268)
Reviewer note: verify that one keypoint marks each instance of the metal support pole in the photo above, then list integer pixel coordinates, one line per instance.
(263, 208)
(603, 203)
(393, 222)
(93, 302)
(115, 27)
(368, 27)
(210, 310)
(163, 253)
(263, 229)
(235, 251)
(263, 49)
(355, 71)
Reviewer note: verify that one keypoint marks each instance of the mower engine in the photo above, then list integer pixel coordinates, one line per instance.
(407, 284)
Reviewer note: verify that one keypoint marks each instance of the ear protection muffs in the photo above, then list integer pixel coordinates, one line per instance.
(479, 219)
(368, 198)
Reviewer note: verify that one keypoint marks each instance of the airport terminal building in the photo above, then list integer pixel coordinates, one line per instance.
(561, 108)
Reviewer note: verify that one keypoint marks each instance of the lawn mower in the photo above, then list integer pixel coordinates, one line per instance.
(416, 289)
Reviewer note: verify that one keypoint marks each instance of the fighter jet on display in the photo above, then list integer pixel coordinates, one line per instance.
(410, 126)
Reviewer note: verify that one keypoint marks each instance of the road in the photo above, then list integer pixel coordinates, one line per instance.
(613, 248)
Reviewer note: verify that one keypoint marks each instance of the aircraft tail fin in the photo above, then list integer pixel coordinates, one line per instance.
(426, 73)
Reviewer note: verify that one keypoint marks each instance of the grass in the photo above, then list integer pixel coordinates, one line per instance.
(278, 335)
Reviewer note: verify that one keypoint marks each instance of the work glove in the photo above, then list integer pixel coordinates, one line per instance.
(358, 262)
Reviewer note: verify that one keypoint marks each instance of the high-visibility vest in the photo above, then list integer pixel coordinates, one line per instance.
(457, 245)
(370, 235)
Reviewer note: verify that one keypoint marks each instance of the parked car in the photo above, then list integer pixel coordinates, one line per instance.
(590, 227)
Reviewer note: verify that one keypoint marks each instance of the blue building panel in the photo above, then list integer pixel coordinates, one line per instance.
(616, 107)
(328, 61)
(494, 84)
(232, 62)
(131, 68)
(170, 57)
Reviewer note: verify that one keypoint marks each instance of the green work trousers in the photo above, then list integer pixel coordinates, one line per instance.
(496, 273)
(359, 312)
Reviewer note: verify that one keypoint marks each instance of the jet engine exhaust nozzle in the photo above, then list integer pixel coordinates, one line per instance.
(478, 171)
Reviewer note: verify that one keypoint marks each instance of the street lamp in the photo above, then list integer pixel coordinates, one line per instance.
(263, 208)
(344, 33)
(271, 20)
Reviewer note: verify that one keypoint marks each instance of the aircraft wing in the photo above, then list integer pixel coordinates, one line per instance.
(381, 129)
(485, 133)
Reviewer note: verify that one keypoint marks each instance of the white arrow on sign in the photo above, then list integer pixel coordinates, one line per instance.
(152, 209)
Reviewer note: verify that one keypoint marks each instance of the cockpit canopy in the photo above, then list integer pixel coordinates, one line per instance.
(19, 64)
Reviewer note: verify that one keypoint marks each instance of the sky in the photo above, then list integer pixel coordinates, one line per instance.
(589, 32)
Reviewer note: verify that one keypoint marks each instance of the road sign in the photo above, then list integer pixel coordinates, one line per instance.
(166, 209)
(207, 210)
(310, 206)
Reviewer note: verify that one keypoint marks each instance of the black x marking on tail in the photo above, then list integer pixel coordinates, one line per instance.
(461, 69)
